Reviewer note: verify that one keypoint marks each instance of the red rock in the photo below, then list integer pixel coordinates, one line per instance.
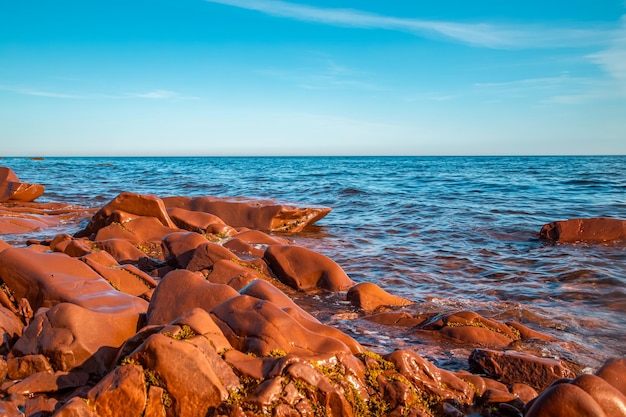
(263, 290)
(8, 409)
(74, 337)
(180, 246)
(201, 322)
(24, 217)
(75, 407)
(613, 371)
(48, 382)
(427, 377)
(22, 367)
(40, 406)
(249, 366)
(46, 279)
(128, 278)
(11, 188)
(303, 269)
(4, 245)
(236, 275)
(258, 326)
(207, 254)
(262, 215)
(369, 297)
(183, 372)
(510, 367)
(471, 328)
(524, 392)
(155, 406)
(609, 398)
(137, 204)
(565, 400)
(600, 229)
(121, 250)
(526, 333)
(140, 230)
(244, 248)
(10, 328)
(73, 247)
(258, 237)
(181, 291)
(193, 221)
(122, 391)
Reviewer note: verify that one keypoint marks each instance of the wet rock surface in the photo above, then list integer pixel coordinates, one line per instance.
(185, 306)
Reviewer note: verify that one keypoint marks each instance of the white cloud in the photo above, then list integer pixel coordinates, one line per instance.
(477, 34)
(151, 95)
(613, 59)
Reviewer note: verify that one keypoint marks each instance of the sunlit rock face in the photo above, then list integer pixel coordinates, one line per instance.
(12, 189)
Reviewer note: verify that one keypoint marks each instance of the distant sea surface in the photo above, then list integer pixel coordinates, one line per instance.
(451, 233)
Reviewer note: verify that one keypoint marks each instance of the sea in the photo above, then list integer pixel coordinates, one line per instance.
(450, 233)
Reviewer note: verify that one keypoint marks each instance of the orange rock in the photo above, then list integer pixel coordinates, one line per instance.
(137, 204)
(74, 337)
(510, 367)
(181, 291)
(22, 367)
(48, 382)
(565, 400)
(600, 229)
(12, 189)
(613, 371)
(236, 275)
(427, 377)
(128, 278)
(122, 250)
(471, 328)
(201, 322)
(609, 398)
(262, 215)
(122, 391)
(184, 372)
(264, 290)
(369, 297)
(207, 254)
(180, 246)
(75, 407)
(258, 326)
(304, 269)
(46, 279)
(10, 328)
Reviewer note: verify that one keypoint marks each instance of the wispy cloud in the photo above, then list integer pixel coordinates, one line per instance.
(324, 74)
(613, 58)
(150, 95)
(159, 95)
(475, 34)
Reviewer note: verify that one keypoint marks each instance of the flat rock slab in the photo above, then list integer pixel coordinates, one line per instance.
(255, 214)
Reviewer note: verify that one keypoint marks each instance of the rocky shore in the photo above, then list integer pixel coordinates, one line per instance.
(180, 306)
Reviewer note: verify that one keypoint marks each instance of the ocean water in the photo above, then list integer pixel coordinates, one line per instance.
(451, 233)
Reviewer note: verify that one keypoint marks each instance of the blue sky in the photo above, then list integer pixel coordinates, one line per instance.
(342, 77)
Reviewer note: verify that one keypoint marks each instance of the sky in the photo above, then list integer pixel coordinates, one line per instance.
(312, 77)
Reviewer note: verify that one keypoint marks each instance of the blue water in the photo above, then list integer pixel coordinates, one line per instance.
(448, 232)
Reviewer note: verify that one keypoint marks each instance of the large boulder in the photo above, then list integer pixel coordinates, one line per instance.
(12, 189)
(47, 279)
(511, 367)
(600, 229)
(70, 337)
(262, 215)
(598, 395)
(304, 269)
(131, 205)
(369, 297)
(260, 327)
(181, 291)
